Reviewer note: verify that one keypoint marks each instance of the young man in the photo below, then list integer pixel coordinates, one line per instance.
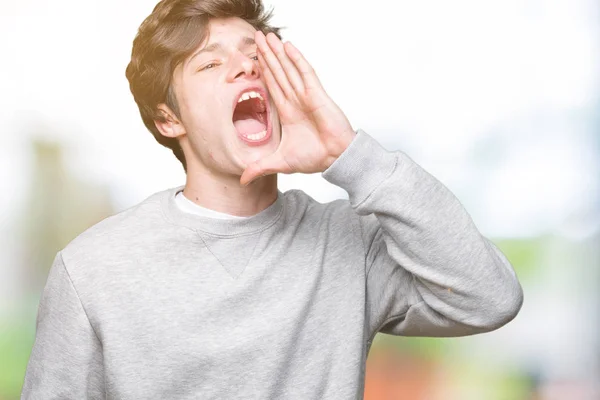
(227, 288)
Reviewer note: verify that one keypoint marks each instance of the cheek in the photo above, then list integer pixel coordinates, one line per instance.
(195, 97)
(209, 115)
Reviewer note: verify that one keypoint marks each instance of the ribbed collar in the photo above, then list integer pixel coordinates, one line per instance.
(235, 227)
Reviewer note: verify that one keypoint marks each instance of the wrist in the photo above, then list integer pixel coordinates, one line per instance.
(340, 146)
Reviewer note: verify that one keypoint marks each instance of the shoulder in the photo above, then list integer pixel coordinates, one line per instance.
(300, 203)
(337, 215)
(117, 232)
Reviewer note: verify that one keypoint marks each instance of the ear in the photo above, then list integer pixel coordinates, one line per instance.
(171, 126)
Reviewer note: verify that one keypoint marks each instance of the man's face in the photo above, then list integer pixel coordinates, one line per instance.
(223, 134)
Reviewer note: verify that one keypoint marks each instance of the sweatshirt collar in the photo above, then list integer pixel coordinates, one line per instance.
(233, 227)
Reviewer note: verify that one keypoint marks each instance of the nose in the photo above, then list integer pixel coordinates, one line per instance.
(243, 67)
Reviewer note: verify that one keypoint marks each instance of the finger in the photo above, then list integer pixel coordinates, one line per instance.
(274, 89)
(274, 65)
(292, 74)
(269, 165)
(309, 77)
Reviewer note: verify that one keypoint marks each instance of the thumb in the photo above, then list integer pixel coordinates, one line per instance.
(271, 164)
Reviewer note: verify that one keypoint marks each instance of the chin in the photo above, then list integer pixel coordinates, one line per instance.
(250, 154)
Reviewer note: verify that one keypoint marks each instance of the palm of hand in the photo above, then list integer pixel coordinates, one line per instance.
(315, 131)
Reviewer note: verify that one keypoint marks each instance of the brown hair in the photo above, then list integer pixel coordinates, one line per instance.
(169, 35)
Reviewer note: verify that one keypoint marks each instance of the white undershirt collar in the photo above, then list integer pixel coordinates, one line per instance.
(186, 205)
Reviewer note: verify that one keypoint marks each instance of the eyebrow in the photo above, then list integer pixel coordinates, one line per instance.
(244, 42)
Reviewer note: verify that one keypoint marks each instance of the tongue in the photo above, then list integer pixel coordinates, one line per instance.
(249, 126)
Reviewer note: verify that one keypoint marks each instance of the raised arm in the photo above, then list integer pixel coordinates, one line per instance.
(430, 272)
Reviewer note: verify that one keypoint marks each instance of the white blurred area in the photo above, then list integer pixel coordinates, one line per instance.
(499, 99)
(439, 80)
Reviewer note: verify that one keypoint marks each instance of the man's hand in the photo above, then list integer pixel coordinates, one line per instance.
(314, 129)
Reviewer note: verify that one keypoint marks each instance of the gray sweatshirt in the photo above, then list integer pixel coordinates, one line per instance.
(155, 303)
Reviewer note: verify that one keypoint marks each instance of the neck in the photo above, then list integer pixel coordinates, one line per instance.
(225, 194)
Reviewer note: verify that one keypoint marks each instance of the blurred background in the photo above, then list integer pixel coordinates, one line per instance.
(499, 99)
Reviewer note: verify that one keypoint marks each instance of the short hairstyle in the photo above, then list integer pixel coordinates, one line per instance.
(167, 37)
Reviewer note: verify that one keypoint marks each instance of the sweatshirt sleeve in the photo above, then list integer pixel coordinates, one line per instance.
(429, 271)
(66, 360)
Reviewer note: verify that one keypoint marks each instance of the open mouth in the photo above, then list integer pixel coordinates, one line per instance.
(251, 117)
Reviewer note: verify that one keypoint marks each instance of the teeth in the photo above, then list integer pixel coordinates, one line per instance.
(249, 95)
(257, 136)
